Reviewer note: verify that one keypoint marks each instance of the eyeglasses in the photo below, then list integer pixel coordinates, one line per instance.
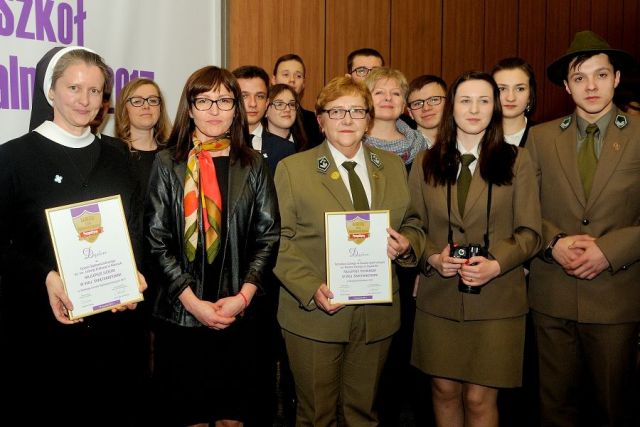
(138, 101)
(419, 103)
(204, 104)
(281, 105)
(340, 113)
(362, 71)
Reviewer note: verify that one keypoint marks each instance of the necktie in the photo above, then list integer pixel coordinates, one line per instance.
(464, 180)
(587, 160)
(358, 195)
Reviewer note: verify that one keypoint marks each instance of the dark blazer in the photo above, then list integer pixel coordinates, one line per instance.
(250, 247)
(525, 135)
(306, 190)
(311, 128)
(611, 215)
(275, 148)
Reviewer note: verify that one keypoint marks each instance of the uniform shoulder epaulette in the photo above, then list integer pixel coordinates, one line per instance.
(565, 123)
(621, 121)
(323, 164)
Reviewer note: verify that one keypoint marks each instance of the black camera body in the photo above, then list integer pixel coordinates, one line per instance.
(466, 252)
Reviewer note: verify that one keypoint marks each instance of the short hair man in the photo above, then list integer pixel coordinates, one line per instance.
(361, 61)
(254, 85)
(289, 69)
(426, 99)
(584, 292)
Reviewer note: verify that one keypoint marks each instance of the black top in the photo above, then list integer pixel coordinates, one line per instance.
(311, 128)
(212, 271)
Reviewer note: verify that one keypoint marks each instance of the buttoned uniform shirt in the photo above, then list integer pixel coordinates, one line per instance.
(361, 169)
(475, 150)
(602, 124)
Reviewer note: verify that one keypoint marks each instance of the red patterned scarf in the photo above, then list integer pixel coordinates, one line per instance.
(201, 189)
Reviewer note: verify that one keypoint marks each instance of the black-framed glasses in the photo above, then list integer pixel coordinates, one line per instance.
(340, 113)
(432, 100)
(281, 105)
(138, 101)
(204, 104)
(362, 71)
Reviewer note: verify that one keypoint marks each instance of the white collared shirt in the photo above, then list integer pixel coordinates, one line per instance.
(475, 151)
(256, 142)
(361, 169)
(515, 138)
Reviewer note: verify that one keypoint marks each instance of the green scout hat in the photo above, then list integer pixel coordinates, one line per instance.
(586, 42)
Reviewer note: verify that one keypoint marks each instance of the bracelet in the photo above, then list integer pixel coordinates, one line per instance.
(246, 303)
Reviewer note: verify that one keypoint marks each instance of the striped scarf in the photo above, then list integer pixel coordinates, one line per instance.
(201, 185)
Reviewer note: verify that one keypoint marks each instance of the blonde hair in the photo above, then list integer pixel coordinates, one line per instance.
(161, 129)
(383, 73)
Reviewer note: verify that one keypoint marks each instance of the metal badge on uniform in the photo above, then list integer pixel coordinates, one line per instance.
(335, 175)
(323, 164)
(58, 179)
(375, 175)
(616, 146)
(265, 155)
(621, 121)
(375, 160)
(565, 123)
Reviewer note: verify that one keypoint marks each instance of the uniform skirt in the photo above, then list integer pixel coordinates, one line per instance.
(484, 352)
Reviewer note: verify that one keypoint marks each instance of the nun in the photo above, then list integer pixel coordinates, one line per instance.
(48, 360)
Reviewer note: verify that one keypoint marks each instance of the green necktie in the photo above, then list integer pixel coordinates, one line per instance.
(464, 180)
(358, 195)
(587, 160)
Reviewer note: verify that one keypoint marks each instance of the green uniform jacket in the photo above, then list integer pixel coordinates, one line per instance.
(514, 236)
(308, 186)
(611, 215)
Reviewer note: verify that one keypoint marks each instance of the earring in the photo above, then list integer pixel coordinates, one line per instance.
(528, 108)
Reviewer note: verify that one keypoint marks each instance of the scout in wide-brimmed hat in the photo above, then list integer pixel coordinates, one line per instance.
(586, 42)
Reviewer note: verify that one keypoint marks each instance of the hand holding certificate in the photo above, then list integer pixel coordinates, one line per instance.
(95, 260)
(358, 267)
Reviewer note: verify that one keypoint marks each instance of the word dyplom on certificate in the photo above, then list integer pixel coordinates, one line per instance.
(94, 255)
(358, 268)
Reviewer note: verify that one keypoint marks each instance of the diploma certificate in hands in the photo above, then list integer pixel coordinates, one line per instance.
(358, 268)
(94, 255)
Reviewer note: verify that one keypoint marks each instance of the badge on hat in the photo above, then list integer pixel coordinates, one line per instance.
(565, 123)
(621, 121)
(375, 160)
(323, 164)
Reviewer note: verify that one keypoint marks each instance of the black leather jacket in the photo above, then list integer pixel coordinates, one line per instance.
(249, 250)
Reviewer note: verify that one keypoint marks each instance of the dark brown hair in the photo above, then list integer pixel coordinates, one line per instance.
(204, 80)
(290, 57)
(297, 129)
(421, 81)
(366, 51)
(252, 72)
(497, 158)
(516, 63)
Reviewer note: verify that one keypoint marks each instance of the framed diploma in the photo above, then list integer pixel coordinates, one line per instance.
(94, 255)
(358, 268)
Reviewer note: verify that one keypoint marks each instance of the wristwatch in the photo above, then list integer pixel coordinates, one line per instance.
(548, 251)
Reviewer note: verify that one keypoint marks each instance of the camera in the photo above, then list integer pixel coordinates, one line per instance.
(466, 252)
